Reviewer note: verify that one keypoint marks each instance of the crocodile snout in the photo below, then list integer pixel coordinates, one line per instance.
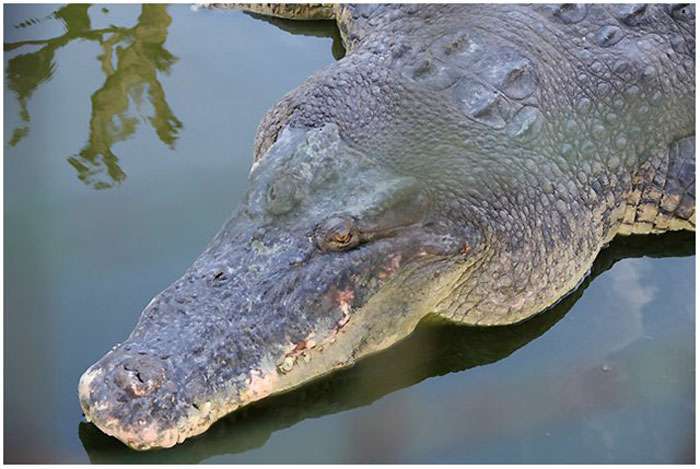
(122, 396)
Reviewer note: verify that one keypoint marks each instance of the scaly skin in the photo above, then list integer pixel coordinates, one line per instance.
(468, 161)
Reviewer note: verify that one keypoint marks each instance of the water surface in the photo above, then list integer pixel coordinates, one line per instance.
(128, 136)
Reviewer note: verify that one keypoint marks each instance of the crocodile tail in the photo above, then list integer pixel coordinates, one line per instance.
(292, 11)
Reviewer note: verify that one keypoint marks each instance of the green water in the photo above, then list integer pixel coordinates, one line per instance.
(128, 135)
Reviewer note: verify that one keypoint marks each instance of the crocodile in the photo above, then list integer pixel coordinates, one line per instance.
(435, 348)
(462, 162)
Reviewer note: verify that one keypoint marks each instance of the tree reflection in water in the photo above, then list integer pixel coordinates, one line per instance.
(139, 56)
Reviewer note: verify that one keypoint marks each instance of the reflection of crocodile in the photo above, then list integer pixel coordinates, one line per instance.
(467, 161)
(433, 349)
(140, 55)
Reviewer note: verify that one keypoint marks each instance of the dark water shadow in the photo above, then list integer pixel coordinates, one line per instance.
(315, 28)
(435, 348)
(130, 60)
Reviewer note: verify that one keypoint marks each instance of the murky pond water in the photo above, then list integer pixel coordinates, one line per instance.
(128, 135)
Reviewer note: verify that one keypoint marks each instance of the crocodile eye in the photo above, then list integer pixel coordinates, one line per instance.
(337, 234)
(342, 238)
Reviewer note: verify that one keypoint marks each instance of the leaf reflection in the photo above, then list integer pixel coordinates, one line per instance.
(131, 59)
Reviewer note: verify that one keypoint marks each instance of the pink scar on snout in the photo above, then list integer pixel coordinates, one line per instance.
(343, 298)
(305, 344)
(394, 265)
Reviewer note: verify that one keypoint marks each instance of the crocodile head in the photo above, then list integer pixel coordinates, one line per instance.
(331, 256)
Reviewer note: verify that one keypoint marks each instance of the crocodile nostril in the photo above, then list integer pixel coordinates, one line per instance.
(140, 375)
